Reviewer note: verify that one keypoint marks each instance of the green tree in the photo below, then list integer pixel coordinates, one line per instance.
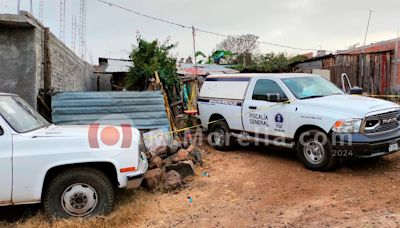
(149, 57)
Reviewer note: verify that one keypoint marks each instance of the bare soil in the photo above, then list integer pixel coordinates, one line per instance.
(254, 187)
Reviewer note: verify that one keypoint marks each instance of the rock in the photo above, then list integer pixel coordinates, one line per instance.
(156, 162)
(182, 155)
(172, 180)
(174, 147)
(184, 168)
(152, 178)
(190, 149)
(195, 155)
(161, 151)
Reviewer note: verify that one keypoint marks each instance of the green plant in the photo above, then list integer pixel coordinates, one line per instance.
(149, 57)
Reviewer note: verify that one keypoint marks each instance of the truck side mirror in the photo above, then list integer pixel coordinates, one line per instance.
(356, 90)
(276, 98)
(1, 131)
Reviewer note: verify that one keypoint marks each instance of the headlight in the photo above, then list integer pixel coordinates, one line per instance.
(347, 126)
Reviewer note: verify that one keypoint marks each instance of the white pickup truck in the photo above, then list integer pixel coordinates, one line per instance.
(72, 170)
(301, 111)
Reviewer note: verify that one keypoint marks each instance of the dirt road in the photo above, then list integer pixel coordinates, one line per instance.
(259, 187)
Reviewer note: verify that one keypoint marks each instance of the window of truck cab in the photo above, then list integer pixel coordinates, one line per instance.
(267, 86)
(19, 115)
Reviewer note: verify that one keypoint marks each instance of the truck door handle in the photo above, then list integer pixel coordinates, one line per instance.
(252, 107)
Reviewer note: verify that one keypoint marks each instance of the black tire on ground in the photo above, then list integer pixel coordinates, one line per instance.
(97, 197)
(226, 142)
(316, 151)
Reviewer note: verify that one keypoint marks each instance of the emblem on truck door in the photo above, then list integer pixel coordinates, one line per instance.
(279, 120)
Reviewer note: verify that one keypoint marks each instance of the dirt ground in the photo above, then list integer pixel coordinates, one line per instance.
(254, 187)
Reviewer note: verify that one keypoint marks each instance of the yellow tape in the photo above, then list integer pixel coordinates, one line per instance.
(388, 96)
(214, 121)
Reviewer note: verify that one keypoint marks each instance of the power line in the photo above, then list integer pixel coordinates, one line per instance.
(199, 30)
(144, 15)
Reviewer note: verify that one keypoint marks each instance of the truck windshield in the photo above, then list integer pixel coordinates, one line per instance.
(311, 87)
(19, 115)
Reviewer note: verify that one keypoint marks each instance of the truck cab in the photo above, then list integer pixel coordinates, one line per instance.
(301, 111)
(72, 170)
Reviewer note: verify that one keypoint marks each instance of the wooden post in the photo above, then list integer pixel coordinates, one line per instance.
(167, 108)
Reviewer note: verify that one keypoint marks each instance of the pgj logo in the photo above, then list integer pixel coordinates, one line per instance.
(109, 136)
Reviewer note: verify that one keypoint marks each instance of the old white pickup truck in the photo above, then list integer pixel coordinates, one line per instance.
(300, 111)
(72, 170)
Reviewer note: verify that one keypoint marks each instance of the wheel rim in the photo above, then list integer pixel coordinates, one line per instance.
(314, 152)
(219, 137)
(79, 200)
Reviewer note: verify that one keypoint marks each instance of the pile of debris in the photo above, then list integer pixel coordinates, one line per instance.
(171, 166)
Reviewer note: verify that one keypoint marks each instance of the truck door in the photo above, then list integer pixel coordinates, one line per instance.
(5, 163)
(263, 118)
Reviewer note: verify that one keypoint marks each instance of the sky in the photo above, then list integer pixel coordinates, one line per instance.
(315, 24)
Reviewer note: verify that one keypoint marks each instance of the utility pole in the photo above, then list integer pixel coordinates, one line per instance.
(194, 48)
(73, 38)
(62, 20)
(41, 6)
(82, 29)
(366, 31)
(19, 6)
(31, 9)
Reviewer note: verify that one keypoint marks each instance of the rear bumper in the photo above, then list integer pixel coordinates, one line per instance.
(362, 146)
(135, 180)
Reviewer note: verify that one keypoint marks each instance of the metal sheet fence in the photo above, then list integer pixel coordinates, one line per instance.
(145, 110)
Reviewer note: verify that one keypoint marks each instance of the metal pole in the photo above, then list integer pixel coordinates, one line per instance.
(366, 31)
(31, 11)
(18, 6)
(194, 48)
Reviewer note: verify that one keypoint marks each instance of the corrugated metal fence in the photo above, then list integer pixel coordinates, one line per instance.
(145, 110)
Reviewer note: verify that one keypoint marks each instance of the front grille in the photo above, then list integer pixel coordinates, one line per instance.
(382, 122)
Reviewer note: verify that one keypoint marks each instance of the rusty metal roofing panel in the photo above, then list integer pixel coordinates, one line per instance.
(144, 110)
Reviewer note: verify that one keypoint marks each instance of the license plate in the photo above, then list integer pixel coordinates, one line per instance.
(393, 147)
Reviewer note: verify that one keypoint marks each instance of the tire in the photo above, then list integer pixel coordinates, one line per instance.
(78, 192)
(221, 137)
(314, 153)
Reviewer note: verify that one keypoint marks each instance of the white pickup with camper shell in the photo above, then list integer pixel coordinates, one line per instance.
(300, 111)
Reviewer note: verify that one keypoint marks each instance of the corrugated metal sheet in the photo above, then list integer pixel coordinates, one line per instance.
(144, 110)
(118, 65)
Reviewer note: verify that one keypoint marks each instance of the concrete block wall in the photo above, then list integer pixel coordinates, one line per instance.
(68, 71)
(18, 62)
(22, 60)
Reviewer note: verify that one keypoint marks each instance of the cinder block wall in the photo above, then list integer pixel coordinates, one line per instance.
(18, 62)
(68, 71)
(22, 60)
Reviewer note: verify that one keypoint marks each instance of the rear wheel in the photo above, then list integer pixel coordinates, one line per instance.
(315, 151)
(220, 136)
(79, 192)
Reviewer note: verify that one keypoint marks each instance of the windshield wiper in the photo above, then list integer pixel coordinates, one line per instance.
(313, 96)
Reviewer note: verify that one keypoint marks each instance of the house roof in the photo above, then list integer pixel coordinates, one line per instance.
(203, 69)
(109, 65)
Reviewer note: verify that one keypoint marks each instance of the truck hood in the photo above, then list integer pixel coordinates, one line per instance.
(61, 131)
(350, 105)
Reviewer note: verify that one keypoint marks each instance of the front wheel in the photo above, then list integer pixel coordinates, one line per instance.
(315, 151)
(79, 192)
(220, 136)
